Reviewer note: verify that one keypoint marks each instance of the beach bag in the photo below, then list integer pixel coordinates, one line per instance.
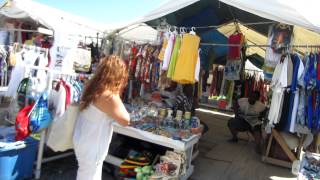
(40, 116)
(22, 123)
(61, 133)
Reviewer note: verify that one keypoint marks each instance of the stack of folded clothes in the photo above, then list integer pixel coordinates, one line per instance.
(133, 160)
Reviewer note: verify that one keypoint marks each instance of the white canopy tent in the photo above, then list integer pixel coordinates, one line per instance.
(292, 12)
(64, 25)
(139, 33)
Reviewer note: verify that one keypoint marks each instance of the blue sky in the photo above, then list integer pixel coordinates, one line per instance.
(105, 11)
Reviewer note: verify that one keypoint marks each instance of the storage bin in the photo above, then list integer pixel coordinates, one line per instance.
(16, 161)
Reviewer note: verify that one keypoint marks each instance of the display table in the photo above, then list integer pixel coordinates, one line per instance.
(185, 145)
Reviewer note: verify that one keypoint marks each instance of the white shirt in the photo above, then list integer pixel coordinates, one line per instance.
(197, 71)
(251, 112)
(278, 84)
(168, 52)
(58, 100)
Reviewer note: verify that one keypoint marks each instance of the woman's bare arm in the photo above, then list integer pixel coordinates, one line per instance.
(114, 108)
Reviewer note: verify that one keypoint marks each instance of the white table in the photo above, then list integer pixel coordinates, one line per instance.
(185, 146)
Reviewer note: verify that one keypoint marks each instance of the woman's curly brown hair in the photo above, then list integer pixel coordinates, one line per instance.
(111, 75)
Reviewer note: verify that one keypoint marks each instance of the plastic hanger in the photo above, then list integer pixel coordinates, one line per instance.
(175, 30)
(237, 27)
(193, 31)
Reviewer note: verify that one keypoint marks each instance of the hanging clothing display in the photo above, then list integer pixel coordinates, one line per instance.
(251, 82)
(28, 57)
(234, 62)
(293, 106)
(64, 93)
(234, 52)
(311, 90)
(187, 60)
(233, 69)
(278, 85)
(217, 78)
(197, 70)
(298, 69)
(168, 52)
(174, 57)
(164, 46)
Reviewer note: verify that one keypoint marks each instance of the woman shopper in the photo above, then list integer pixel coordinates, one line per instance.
(100, 105)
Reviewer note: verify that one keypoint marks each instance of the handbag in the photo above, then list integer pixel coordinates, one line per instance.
(40, 116)
(22, 92)
(22, 123)
(61, 131)
(82, 60)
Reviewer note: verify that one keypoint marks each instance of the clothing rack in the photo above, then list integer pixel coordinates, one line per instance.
(216, 26)
(276, 136)
(43, 133)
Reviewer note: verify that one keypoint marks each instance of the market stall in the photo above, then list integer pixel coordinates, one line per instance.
(179, 51)
(179, 146)
(261, 32)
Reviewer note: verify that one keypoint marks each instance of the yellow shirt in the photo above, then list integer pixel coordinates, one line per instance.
(163, 49)
(187, 60)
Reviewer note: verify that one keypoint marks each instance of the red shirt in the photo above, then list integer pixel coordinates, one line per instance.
(234, 51)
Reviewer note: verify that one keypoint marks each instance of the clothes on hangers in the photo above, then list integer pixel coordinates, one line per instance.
(174, 57)
(234, 51)
(168, 52)
(217, 78)
(278, 84)
(197, 70)
(64, 93)
(233, 69)
(187, 60)
(298, 69)
(25, 58)
(250, 83)
(164, 47)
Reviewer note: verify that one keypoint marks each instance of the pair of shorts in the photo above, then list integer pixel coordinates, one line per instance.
(241, 125)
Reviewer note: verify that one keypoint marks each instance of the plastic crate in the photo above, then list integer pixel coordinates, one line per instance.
(16, 162)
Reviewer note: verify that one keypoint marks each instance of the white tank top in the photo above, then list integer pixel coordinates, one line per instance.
(93, 130)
